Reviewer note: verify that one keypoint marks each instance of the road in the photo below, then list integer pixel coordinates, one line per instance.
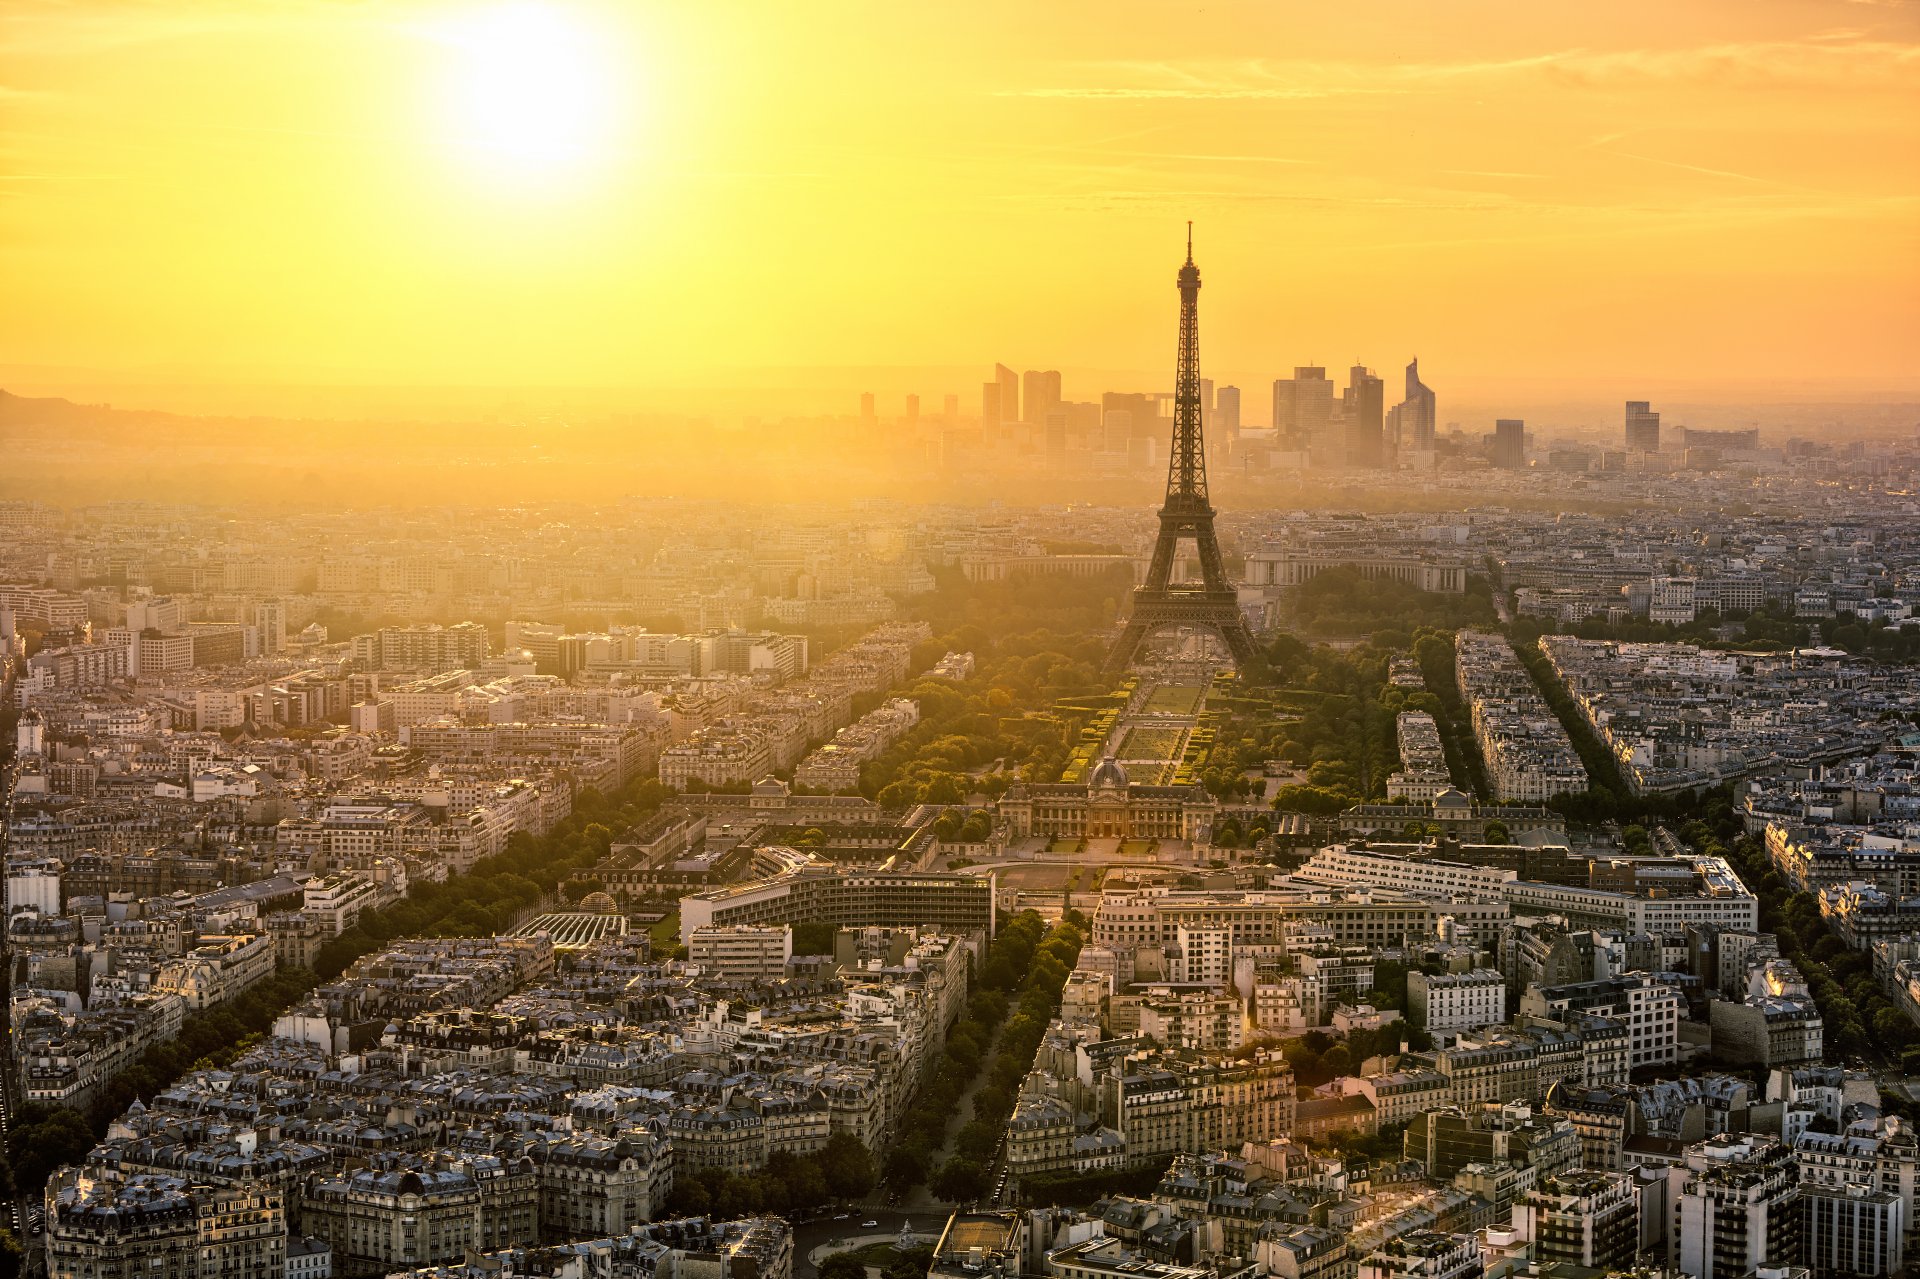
(809, 1238)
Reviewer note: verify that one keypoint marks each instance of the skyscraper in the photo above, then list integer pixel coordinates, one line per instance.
(1009, 383)
(913, 409)
(1363, 412)
(1226, 412)
(866, 406)
(1643, 427)
(991, 405)
(1039, 393)
(1510, 443)
(1303, 403)
(1418, 413)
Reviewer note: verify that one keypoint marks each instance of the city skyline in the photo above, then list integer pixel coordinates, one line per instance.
(638, 640)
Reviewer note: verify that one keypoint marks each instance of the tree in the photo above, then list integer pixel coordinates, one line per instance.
(847, 1165)
(910, 1263)
(1496, 833)
(841, 1265)
(959, 1180)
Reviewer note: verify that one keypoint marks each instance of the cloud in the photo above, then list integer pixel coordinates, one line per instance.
(1834, 58)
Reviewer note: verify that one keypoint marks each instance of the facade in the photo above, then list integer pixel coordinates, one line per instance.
(951, 902)
(742, 952)
(1643, 428)
(1735, 1205)
(1453, 1002)
(1109, 806)
(1589, 1219)
(1649, 1007)
(1424, 1254)
(153, 1227)
(1362, 867)
(1130, 918)
(1422, 774)
(381, 1220)
(1528, 755)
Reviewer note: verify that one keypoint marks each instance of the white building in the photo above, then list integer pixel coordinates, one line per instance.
(741, 952)
(1453, 1002)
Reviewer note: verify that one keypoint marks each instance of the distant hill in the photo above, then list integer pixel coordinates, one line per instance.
(103, 420)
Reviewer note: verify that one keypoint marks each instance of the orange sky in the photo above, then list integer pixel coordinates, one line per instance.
(644, 193)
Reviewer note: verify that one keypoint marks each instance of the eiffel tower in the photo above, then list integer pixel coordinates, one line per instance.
(1159, 603)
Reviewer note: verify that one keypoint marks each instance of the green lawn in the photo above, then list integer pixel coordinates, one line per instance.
(1064, 844)
(1175, 699)
(1150, 743)
(666, 932)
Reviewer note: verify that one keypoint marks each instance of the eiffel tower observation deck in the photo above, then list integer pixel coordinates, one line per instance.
(1159, 603)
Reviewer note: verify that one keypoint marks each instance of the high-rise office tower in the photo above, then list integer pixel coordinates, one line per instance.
(950, 409)
(1055, 432)
(270, 617)
(1510, 443)
(1206, 398)
(866, 406)
(1303, 403)
(1363, 412)
(1009, 383)
(913, 409)
(1417, 413)
(1039, 393)
(1643, 427)
(1226, 412)
(991, 405)
(1139, 412)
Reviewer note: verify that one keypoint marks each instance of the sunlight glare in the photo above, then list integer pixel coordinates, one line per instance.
(532, 90)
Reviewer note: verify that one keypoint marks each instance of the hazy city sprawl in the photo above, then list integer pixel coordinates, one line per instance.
(562, 717)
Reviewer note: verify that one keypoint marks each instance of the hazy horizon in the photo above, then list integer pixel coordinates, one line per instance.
(774, 393)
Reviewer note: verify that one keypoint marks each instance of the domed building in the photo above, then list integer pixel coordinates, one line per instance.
(1109, 805)
(598, 903)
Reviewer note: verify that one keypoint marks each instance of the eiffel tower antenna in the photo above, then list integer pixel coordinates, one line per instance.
(1187, 514)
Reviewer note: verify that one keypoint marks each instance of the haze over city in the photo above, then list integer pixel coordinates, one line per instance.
(644, 640)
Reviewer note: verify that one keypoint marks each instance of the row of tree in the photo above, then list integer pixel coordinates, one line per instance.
(1344, 601)
(1016, 991)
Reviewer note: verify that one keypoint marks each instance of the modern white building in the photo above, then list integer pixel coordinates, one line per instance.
(743, 952)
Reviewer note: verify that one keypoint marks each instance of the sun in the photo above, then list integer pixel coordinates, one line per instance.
(531, 90)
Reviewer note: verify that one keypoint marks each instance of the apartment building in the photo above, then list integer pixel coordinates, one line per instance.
(1451, 1002)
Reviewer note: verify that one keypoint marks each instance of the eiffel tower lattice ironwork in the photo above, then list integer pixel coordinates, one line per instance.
(1159, 603)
